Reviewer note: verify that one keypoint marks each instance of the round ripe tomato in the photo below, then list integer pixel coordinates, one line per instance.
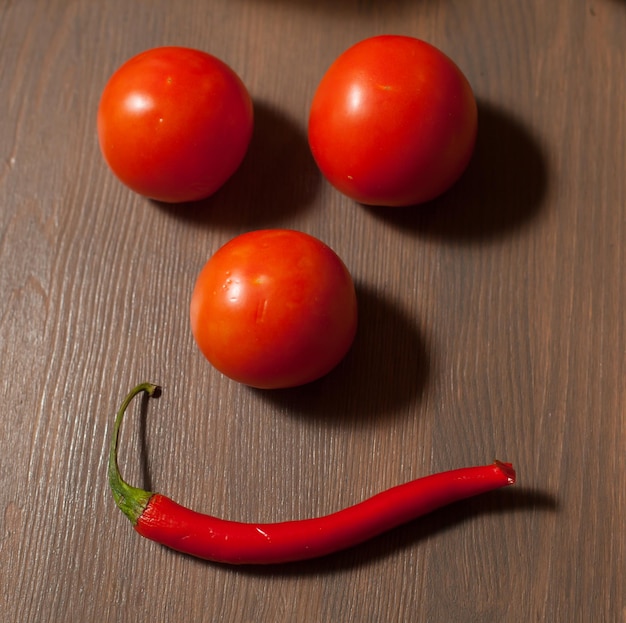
(274, 308)
(174, 123)
(393, 122)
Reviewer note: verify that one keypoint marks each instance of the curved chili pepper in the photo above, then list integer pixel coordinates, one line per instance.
(160, 519)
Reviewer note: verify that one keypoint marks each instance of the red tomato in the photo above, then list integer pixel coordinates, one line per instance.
(174, 123)
(393, 122)
(274, 308)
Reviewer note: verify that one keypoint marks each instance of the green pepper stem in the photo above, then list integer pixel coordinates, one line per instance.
(132, 501)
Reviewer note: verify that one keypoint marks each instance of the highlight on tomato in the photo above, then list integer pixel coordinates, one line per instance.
(174, 123)
(393, 122)
(274, 308)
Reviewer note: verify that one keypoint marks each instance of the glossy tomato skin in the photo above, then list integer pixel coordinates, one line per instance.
(174, 123)
(393, 122)
(274, 308)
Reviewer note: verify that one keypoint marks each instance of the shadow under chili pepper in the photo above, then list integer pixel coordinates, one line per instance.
(144, 451)
(412, 534)
(387, 367)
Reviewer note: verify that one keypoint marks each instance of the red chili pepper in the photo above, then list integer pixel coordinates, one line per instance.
(161, 519)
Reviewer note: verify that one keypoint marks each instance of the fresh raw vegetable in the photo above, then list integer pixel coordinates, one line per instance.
(274, 308)
(393, 122)
(160, 519)
(174, 123)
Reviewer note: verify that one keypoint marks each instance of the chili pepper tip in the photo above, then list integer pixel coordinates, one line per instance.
(508, 470)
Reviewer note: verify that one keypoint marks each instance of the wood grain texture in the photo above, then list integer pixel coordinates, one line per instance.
(491, 324)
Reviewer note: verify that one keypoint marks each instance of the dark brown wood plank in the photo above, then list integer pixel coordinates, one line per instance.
(491, 325)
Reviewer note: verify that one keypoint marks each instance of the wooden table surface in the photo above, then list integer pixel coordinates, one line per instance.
(491, 325)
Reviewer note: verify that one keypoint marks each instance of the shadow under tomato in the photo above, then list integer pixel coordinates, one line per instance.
(277, 177)
(502, 189)
(386, 369)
